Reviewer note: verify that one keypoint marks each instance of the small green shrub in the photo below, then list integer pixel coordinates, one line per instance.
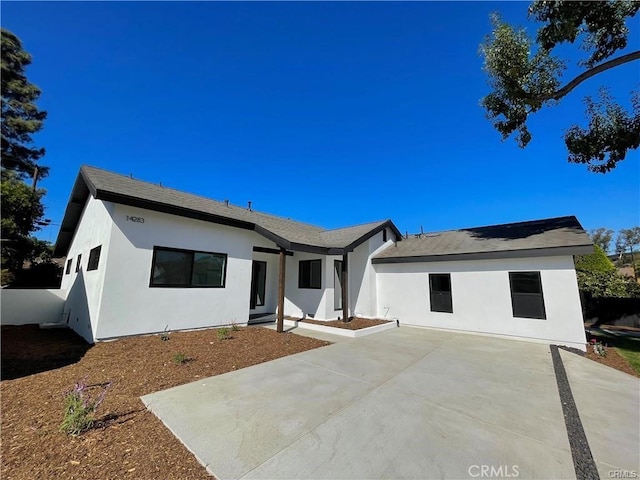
(235, 327)
(599, 348)
(79, 408)
(180, 358)
(223, 333)
(165, 335)
(607, 284)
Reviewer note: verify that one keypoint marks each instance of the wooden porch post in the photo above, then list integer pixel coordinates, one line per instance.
(283, 264)
(345, 289)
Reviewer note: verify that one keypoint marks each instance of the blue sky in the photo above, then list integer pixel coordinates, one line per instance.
(328, 113)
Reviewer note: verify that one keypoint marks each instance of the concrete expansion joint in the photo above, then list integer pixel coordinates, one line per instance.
(334, 372)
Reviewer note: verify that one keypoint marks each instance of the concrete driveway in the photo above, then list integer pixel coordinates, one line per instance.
(406, 403)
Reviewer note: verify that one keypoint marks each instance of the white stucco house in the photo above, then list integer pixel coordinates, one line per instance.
(142, 258)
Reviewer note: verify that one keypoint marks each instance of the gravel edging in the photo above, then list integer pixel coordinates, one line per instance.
(583, 463)
(575, 351)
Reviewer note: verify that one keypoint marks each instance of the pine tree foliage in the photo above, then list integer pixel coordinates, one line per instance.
(21, 118)
(22, 208)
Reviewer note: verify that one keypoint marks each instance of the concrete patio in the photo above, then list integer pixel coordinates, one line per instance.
(405, 403)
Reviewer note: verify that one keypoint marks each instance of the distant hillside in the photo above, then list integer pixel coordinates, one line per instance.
(626, 258)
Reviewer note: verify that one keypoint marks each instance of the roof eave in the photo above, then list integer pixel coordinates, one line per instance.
(170, 209)
(495, 255)
(79, 194)
(387, 224)
(302, 247)
(278, 240)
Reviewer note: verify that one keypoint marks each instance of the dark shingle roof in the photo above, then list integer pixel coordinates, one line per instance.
(287, 233)
(553, 236)
(347, 236)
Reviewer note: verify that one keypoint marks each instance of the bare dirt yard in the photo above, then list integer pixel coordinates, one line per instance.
(39, 366)
(354, 324)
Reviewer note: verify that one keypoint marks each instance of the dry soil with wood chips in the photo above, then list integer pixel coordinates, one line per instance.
(38, 366)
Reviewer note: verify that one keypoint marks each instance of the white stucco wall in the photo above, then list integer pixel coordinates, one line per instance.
(28, 306)
(116, 299)
(84, 288)
(362, 277)
(328, 311)
(320, 302)
(301, 302)
(482, 298)
(130, 306)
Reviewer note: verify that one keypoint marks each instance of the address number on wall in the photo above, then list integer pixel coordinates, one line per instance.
(135, 219)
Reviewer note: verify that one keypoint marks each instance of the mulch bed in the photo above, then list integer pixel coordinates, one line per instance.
(612, 359)
(354, 324)
(129, 441)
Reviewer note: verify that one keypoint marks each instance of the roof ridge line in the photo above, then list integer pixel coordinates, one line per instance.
(356, 225)
(527, 222)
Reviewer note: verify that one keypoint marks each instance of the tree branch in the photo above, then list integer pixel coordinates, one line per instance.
(558, 94)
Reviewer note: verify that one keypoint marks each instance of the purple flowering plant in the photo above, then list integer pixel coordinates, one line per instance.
(80, 407)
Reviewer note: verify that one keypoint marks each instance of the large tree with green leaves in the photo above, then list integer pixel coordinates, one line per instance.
(630, 239)
(22, 208)
(22, 213)
(525, 76)
(602, 237)
(598, 277)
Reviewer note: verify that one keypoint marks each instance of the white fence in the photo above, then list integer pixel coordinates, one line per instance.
(23, 307)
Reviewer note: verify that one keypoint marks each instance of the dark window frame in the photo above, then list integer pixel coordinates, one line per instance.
(69, 264)
(436, 297)
(190, 284)
(255, 292)
(308, 284)
(94, 258)
(79, 263)
(384, 235)
(517, 309)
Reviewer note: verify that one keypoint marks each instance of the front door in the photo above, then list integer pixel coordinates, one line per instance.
(258, 284)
